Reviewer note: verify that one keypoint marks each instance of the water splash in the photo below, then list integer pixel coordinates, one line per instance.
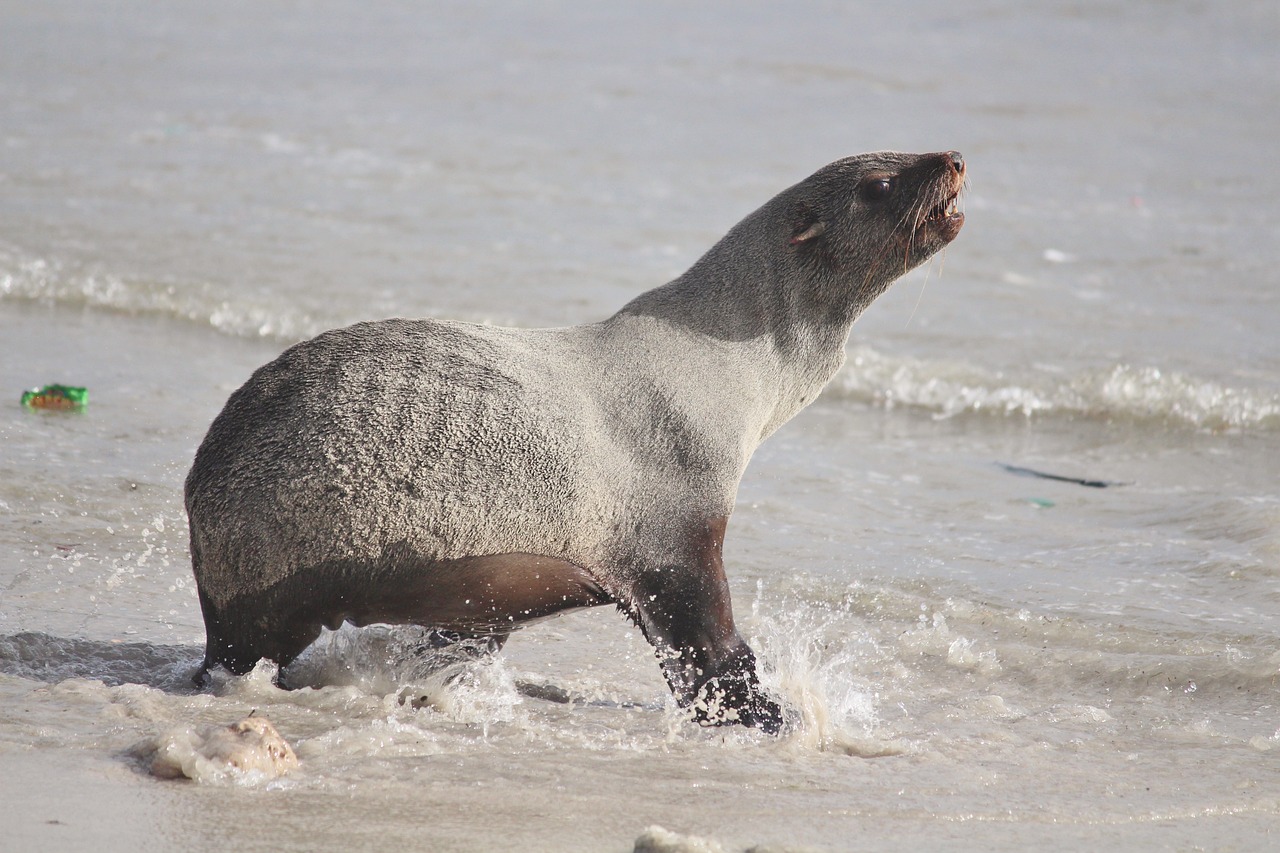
(810, 656)
(463, 682)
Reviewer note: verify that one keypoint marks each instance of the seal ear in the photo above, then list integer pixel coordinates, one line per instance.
(809, 233)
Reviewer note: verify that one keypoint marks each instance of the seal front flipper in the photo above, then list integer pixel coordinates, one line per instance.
(733, 696)
(685, 613)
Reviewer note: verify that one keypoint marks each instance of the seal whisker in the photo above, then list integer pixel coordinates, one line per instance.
(911, 218)
(923, 285)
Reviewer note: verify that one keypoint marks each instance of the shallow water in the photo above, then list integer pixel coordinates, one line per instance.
(973, 659)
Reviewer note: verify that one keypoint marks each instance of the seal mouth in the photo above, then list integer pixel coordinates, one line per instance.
(947, 209)
(939, 207)
(943, 219)
(939, 224)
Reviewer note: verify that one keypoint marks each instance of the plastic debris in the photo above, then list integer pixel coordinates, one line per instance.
(1079, 481)
(56, 397)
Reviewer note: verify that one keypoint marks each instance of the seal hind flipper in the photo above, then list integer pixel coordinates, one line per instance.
(488, 594)
(471, 597)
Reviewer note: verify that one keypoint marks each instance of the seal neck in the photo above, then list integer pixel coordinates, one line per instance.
(740, 319)
(751, 285)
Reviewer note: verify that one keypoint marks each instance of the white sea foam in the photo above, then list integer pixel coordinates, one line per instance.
(54, 282)
(263, 314)
(1122, 391)
(656, 839)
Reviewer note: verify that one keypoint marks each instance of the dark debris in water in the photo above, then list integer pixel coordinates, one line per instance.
(1079, 481)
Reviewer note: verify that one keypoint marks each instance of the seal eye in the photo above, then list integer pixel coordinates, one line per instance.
(877, 189)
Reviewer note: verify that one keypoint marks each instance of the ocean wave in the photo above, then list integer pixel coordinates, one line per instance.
(944, 388)
(57, 283)
(261, 315)
(1122, 392)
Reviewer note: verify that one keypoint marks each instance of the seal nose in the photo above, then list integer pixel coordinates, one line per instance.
(957, 161)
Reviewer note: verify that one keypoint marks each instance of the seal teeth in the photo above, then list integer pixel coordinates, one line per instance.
(943, 209)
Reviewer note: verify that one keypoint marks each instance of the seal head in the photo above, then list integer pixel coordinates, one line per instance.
(864, 221)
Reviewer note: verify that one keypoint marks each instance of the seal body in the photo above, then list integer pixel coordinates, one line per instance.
(472, 478)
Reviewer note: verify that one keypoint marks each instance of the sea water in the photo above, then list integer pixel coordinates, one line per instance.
(972, 657)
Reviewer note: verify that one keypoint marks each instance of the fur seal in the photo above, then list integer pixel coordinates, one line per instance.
(472, 478)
